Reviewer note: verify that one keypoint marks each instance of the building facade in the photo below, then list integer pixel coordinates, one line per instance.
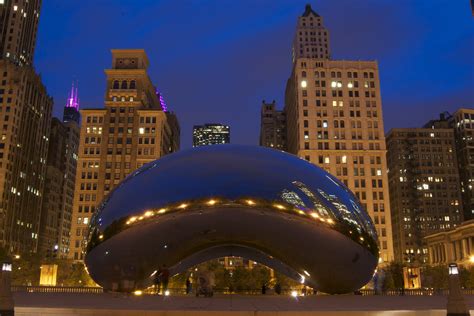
(132, 130)
(272, 126)
(455, 245)
(334, 120)
(424, 187)
(463, 123)
(18, 26)
(311, 37)
(210, 134)
(25, 116)
(58, 195)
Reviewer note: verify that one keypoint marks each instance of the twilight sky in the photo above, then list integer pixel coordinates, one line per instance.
(215, 61)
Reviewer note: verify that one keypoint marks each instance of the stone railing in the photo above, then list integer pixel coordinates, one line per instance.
(57, 289)
(181, 291)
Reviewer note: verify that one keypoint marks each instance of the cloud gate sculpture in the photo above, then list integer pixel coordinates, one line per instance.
(232, 200)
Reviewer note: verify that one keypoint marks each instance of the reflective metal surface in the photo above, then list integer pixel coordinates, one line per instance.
(224, 200)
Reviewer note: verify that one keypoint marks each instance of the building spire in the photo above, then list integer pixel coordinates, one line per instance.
(308, 11)
(73, 99)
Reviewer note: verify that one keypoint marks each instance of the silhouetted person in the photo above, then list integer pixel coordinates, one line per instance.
(188, 285)
(164, 278)
(264, 289)
(157, 281)
(278, 288)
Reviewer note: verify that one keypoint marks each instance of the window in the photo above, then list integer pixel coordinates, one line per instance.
(116, 84)
(132, 84)
(124, 85)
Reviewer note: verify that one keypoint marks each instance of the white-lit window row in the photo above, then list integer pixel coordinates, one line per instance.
(94, 130)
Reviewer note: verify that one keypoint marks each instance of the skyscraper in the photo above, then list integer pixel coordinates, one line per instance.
(25, 116)
(210, 134)
(18, 26)
(334, 119)
(272, 126)
(463, 123)
(71, 109)
(311, 37)
(424, 186)
(134, 128)
(58, 196)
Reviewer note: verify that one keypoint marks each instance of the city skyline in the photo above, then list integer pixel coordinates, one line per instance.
(242, 49)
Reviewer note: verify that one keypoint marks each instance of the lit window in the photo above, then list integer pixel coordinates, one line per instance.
(350, 85)
(304, 84)
(86, 220)
(333, 84)
(15, 7)
(326, 159)
(325, 124)
(141, 130)
(344, 159)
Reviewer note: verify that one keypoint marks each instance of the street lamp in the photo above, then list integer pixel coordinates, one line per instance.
(453, 269)
(456, 304)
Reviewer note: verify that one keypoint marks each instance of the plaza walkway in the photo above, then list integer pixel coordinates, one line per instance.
(64, 304)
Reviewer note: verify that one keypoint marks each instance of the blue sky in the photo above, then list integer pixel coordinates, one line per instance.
(215, 61)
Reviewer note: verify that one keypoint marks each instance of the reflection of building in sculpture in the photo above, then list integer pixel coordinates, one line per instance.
(334, 120)
(231, 263)
(292, 198)
(455, 245)
(132, 130)
(318, 205)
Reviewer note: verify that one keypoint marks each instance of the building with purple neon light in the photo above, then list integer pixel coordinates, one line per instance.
(71, 109)
(163, 105)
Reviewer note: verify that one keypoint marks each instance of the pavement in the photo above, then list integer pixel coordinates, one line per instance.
(66, 304)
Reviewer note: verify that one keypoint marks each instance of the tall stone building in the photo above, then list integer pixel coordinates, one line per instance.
(18, 26)
(133, 129)
(25, 116)
(311, 37)
(463, 123)
(424, 186)
(272, 126)
(58, 195)
(210, 134)
(334, 120)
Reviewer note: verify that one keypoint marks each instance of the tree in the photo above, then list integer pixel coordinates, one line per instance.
(393, 276)
(435, 277)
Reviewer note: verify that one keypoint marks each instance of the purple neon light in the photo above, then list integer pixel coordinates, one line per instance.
(164, 107)
(73, 99)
